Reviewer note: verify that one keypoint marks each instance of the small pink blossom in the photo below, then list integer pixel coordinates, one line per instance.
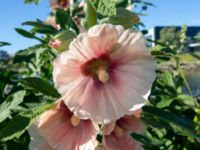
(105, 74)
(52, 21)
(62, 130)
(117, 134)
(63, 4)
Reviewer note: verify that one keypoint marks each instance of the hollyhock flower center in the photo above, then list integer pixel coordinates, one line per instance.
(97, 68)
(75, 121)
(62, 3)
(118, 131)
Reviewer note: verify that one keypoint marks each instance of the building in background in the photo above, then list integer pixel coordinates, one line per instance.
(4, 55)
(154, 35)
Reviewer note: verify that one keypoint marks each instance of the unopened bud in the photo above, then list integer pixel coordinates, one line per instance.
(61, 41)
(54, 43)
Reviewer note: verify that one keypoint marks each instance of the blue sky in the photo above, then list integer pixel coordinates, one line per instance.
(166, 12)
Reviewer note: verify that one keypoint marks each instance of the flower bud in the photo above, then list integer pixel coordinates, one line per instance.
(61, 41)
(62, 4)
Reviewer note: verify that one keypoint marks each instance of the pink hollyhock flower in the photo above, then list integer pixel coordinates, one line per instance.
(62, 130)
(63, 4)
(105, 74)
(116, 134)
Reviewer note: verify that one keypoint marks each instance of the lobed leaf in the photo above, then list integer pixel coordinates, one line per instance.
(18, 124)
(184, 125)
(123, 17)
(40, 86)
(107, 7)
(10, 103)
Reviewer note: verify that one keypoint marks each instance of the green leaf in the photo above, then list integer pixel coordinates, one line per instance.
(31, 1)
(185, 99)
(14, 128)
(26, 54)
(21, 143)
(122, 3)
(143, 2)
(41, 27)
(91, 15)
(184, 125)
(123, 17)
(165, 102)
(4, 44)
(107, 7)
(168, 78)
(18, 124)
(145, 140)
(27, 34)
(153, 122)
(63, 19)
(65, 35)
(40, 86)
(10, 103)
(66, 38)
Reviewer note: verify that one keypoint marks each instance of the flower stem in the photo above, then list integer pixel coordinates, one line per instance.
(185, 81)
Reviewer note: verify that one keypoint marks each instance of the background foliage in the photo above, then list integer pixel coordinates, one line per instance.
(26, 88)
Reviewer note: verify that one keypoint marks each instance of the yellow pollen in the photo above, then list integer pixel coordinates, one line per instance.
(103, 75)
(118, 131)
(75, 121)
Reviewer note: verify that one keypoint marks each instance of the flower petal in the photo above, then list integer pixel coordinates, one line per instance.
(137, 75)
(79, 48)
(114, 142)
(108, 128)
(132, 45)
(56, 4)
(102, 103)
(130, 77)
(56, 127)
(66, 70)
(37, 141)
(102, 38)
(129, 122)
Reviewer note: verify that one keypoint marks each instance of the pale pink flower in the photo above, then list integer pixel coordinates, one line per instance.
(105, 74)
(37, 141)
(81, 4)
(64, 131)
(117, 134)
(63, 4)
(52, 21)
